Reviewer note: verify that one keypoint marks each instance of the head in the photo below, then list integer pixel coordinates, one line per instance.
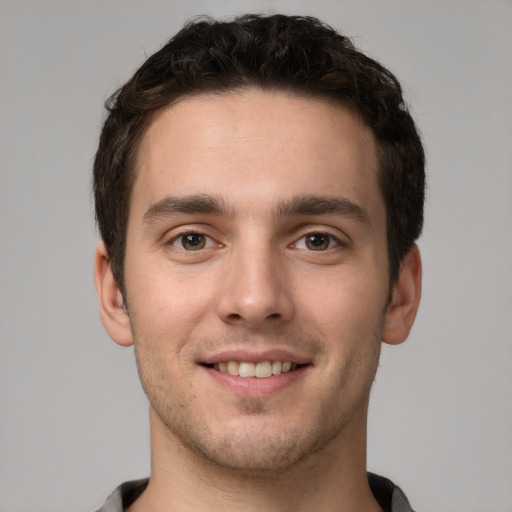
(259, 185)
(277, 53)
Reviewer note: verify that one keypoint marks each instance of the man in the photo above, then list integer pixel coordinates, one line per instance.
(259, 187)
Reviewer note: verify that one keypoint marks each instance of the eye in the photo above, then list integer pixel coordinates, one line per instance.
(317, 242)
(192, 241)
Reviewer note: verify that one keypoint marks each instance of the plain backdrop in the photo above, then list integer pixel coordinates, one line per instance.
(73, 419)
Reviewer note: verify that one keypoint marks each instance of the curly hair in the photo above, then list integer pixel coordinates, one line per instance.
(278, 52)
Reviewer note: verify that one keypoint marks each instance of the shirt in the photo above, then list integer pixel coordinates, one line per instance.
(389, 496)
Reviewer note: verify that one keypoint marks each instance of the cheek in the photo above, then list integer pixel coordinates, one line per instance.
(169, 300)
(348, 300)
(348, 314)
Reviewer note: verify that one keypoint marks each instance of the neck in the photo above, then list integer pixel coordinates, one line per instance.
(332, 479)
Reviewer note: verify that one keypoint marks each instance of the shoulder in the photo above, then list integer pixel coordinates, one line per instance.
(390, 497)
(124, 496)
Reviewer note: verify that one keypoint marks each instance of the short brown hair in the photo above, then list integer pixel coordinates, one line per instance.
(277, 52)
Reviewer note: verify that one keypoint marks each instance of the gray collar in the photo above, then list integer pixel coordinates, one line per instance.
(390, 497)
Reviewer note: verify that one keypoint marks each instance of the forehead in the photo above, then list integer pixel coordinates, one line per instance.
(256, 145)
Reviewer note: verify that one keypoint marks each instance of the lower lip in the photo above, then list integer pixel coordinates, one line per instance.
(253, 386)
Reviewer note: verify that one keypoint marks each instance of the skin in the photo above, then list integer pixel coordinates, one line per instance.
(255, 162)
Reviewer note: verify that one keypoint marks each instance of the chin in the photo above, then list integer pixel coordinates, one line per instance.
(255, 447)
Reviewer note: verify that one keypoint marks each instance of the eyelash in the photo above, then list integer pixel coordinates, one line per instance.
(333, 241)
(208, 241)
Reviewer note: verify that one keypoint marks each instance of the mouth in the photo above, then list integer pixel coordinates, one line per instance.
(259, 370)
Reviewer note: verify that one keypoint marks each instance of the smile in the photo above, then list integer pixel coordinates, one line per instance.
(256, 375)
(261, 370)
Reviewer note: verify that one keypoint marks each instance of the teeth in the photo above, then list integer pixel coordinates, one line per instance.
(233, 368)
(277, 367)
(246, 369)
(261, 370)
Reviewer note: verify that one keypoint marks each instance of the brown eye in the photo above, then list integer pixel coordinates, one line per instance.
(192, 241)
(317, 241)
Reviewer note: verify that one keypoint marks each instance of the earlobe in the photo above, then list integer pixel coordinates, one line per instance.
(112, 310)
(405, 299)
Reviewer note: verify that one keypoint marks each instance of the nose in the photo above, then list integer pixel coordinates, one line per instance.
(256, 290)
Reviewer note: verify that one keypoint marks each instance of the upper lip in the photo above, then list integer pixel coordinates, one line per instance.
(253, 356)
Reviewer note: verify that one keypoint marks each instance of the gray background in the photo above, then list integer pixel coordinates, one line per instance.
(73, 420)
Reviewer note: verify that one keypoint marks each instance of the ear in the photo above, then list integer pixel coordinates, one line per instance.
(112, 311)
(405, 299)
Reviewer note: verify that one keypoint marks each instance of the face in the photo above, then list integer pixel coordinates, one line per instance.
(257, 275)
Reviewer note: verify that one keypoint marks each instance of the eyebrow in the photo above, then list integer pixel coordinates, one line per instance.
(321, 205)
(200, 203)
(296, 206)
